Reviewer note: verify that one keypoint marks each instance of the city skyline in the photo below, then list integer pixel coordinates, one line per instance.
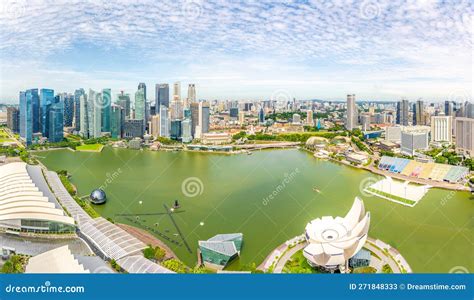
(246, 50)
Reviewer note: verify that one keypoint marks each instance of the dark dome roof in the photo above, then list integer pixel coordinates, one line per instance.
(98, 196)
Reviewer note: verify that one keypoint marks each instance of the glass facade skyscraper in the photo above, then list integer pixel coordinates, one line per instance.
(162, 96)
(77, 108)
(106, 109)
(116, 121)
(26, 117)
(140, 105)
(68, 110)
(56, 121)
(46, 99)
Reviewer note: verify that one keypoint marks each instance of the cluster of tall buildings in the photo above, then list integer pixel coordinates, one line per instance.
(93, 114)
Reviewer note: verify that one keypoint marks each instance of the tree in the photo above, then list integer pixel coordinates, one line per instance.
(159, 253)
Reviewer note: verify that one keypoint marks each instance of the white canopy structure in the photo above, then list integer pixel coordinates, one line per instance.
(26, 203)
(59, 260)
(332, 241)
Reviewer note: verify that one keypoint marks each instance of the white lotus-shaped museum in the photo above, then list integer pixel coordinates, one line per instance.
(332, 241)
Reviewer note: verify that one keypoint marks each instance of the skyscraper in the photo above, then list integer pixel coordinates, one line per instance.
(84, 116)
(205, 117)
(164, 122)
(140, 105)
(106, 110)
(97, 116)
(191, 94)
(175, 132)
(124, 102)
(309, 117)
(419, 113)
(26, 116)
(162, 96)
(36, 117)
(261, 116)
(186, 136)
(142, 85)
(177, 91)
(155, 126)
(448, 108)
(46, 99)
(68, 110)
(77, 108)
(465, 136)
(402, 112)
(56, 121)
(117, 119)
(351, 121)
(194, 117)
(13, 119)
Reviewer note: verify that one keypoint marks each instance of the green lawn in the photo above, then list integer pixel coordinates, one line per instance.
(390, 196)
(5, 139)
(90, 147)
(298, 264)
(363, 270)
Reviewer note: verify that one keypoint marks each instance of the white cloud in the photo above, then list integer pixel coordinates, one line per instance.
(416, 48)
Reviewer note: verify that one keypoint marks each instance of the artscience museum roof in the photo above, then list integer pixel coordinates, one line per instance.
(332, 241)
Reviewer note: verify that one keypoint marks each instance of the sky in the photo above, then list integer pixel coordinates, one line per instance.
(241, 50)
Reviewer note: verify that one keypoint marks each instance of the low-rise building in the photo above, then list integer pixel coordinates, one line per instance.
(216, 138)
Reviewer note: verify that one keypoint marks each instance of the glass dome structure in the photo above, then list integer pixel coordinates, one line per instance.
(98, 196)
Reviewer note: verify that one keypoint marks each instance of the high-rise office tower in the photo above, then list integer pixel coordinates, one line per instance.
(56, 121)
(352, 116)
(164, 122)
(124, 101)
(261, 116)
(117, 119)
(186, 136)
(419, 113)
(84, 116)
(97, 116)
(234, 112)
(309, 117)
(140, 105)
(402, 112)
(162, 96)
(177, 91)
(175, 131)
(142, 85)
(154, 129)
(106, 110)
(176, 110)
(465, 136)
(46, 99)
(448, 108)
(191, 94)
(441, 129)
(469, 110)
(241, 117)
(26, 116)
(77, 108)
(194, 117)
(13, 119)
(205, 117)
(68, 110)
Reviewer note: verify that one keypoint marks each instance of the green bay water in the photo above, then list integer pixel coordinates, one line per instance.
(436, 235)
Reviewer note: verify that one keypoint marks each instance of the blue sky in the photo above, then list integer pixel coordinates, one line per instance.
(241, 50)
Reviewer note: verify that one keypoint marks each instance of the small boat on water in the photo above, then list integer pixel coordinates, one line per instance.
(316, 190)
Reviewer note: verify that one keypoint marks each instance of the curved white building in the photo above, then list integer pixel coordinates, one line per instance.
(332, 241)
(27, 204)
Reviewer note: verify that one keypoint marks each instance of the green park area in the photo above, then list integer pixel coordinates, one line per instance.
(298, 265)
(90, 147)
(392, 197)
(4, 137)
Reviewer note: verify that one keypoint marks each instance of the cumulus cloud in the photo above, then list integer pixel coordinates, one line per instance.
(347, 46)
